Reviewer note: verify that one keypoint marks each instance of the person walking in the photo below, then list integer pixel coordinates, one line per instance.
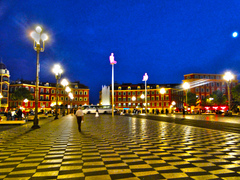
(79, 115)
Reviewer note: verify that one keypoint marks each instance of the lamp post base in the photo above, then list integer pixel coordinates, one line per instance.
(35, 126)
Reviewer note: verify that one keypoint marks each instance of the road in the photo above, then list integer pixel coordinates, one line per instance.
(122, 147)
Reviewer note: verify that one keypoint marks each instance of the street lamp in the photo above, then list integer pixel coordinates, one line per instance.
(173, 104)
(162, 92)
(1, 96)
(64, 83)
(38, 45)
(112, 62)
(145, 78)
(185, 86)
(142, 97)
(228, 76)
(57, 70)
(71, 97)
(68, 90)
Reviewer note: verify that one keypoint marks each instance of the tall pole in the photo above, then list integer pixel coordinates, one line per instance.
(56, 113)
(39, 38)
(145, 78)
(112, 90)
(112, 62)
(35, 122)
(229, 103)
(146, 97)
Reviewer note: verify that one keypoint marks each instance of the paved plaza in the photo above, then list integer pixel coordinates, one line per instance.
(122, 147)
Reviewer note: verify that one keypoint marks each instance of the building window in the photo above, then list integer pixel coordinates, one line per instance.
(218, 84)
(129, 99)
(52, 98)
(119, 104)
(61, 98)
(47, 91)
(61, 92)
(76, 92)
(124, 99)
(153, 92)
(138, 93)
(148, 93)
(167, 97)
(196, 89)
(41, 97)
(152, 98)
(31, 104)
(47, 105)
(124, 93)
(32, 90)
(202, 89)
(157, 98)
(119, 88)
(133, 93)
(119, 99)
(76, 99)
(129, 93)
(85, 99)
(119, 93)
(129, 88)
(207, 90)
(41, 90)
(138, 87)
(53, 91)
(80, 93)
(85, 93)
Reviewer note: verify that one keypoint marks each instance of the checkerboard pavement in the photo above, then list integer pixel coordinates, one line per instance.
(118, 148)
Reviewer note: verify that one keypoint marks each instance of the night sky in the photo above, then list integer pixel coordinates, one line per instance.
(164, 38)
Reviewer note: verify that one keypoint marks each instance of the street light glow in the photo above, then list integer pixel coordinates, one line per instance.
(162, 91)
(186, 85)
(57, 69)
(228, 76)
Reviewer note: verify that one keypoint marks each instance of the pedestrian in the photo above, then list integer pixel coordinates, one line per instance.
(79, 115)
(97, 115)
(19, 114)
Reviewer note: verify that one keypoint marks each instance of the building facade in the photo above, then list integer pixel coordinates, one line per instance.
(130, 96)
(47, 95)
(4, 87)
(203, 85)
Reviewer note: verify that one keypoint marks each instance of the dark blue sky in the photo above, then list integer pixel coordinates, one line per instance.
(165, 38)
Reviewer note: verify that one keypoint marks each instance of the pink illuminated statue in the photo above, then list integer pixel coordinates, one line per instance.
(145, 77)
(111, 58)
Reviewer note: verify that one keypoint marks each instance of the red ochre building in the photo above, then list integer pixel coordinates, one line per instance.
(203, 85)
(47, 95)
(124, 93)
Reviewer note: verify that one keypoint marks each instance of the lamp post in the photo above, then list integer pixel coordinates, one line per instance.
(112, 62)
(57, 70)
(162, 92)
(173, 104)
(68, 90)
(1, 96)
(185, 86)
(71, 97)
(142, 97)
(145, 78)
(38, 45)
(64, 83)
(228, 76)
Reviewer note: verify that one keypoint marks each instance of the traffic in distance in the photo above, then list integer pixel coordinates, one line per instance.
(102, 109)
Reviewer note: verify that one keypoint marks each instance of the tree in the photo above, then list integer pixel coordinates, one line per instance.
(191, 99)
(21, 94)
(219, 98)
(236, 93)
